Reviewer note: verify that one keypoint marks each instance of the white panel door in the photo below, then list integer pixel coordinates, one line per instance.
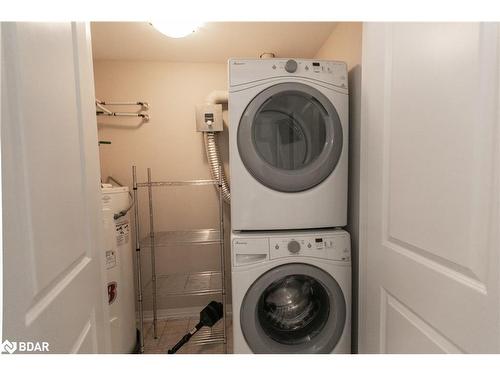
(53, 289)
(429, 275)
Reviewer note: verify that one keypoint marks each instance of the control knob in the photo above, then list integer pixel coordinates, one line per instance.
(293, 247)
(291, 66)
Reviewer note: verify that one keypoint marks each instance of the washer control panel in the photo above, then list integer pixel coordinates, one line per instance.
(333, 247)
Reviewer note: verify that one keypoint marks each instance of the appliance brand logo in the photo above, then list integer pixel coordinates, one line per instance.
(112, 292)
(24, 346)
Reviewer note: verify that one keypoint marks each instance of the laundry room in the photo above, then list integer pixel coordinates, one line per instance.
(233, 187)
(178, 77)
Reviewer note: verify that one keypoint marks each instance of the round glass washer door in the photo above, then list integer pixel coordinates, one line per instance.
(290, 137)
(293, 308)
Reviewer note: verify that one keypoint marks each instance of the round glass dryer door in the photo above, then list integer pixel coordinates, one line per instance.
(293, 308)
(290, 137)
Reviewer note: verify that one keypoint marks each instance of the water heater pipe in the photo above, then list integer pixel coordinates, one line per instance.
(212, 150)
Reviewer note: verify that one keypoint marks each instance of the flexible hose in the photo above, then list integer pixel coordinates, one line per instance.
(124, 212)
(215, 164)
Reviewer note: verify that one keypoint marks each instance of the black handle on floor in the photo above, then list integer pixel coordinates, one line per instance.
(208, 317)
(181, 342)
(185, 338)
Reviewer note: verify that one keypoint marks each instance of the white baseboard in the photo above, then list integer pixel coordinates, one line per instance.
(184, 312)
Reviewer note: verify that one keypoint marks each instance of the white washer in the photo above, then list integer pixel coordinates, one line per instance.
(288, 143)
(291, 292)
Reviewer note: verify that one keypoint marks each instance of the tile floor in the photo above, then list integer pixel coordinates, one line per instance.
(170, 331)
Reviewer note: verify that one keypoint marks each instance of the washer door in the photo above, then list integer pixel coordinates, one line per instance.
(293, 308)
(290, 137)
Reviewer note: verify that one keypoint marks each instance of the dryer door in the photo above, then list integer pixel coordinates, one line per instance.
(293, 308)
(290, 137)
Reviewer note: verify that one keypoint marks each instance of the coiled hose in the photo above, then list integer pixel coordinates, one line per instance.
(215, 164)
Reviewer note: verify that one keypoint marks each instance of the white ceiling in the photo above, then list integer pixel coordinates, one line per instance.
(214, 42)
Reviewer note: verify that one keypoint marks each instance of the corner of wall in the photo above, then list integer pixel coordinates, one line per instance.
(344, 44)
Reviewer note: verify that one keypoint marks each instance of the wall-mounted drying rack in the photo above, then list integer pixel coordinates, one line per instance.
(101, 110)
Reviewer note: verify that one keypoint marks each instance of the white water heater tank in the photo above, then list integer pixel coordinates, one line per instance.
(119, 269)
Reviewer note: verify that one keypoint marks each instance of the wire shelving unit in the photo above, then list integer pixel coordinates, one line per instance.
(212, 282)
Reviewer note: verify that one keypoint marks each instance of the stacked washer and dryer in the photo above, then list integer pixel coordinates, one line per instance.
(291, 263)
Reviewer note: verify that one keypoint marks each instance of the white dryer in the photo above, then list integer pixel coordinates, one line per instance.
(291, 292)
(288, 143)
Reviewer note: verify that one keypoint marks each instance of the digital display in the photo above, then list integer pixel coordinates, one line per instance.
(318, 240)
(315, 63)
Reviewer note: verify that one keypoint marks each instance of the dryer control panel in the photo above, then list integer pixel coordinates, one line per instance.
(318, 246)
(245, 71)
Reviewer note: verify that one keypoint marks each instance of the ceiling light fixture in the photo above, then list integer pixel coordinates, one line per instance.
(176, 29)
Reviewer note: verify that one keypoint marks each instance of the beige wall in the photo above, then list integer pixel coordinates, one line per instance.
(344, 43)
(170, 146)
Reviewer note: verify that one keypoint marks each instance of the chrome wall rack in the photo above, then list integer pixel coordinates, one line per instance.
(204, 283)
(101, 109)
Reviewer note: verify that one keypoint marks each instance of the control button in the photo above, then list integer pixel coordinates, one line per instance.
(277, 247)
(307, 67)
(291, 66)
(293, 247)
(274, 66)
(309, 245)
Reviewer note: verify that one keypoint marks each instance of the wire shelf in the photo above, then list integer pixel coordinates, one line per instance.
(207, 335)
(190, 284)
(178, 183)
(183, 237)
